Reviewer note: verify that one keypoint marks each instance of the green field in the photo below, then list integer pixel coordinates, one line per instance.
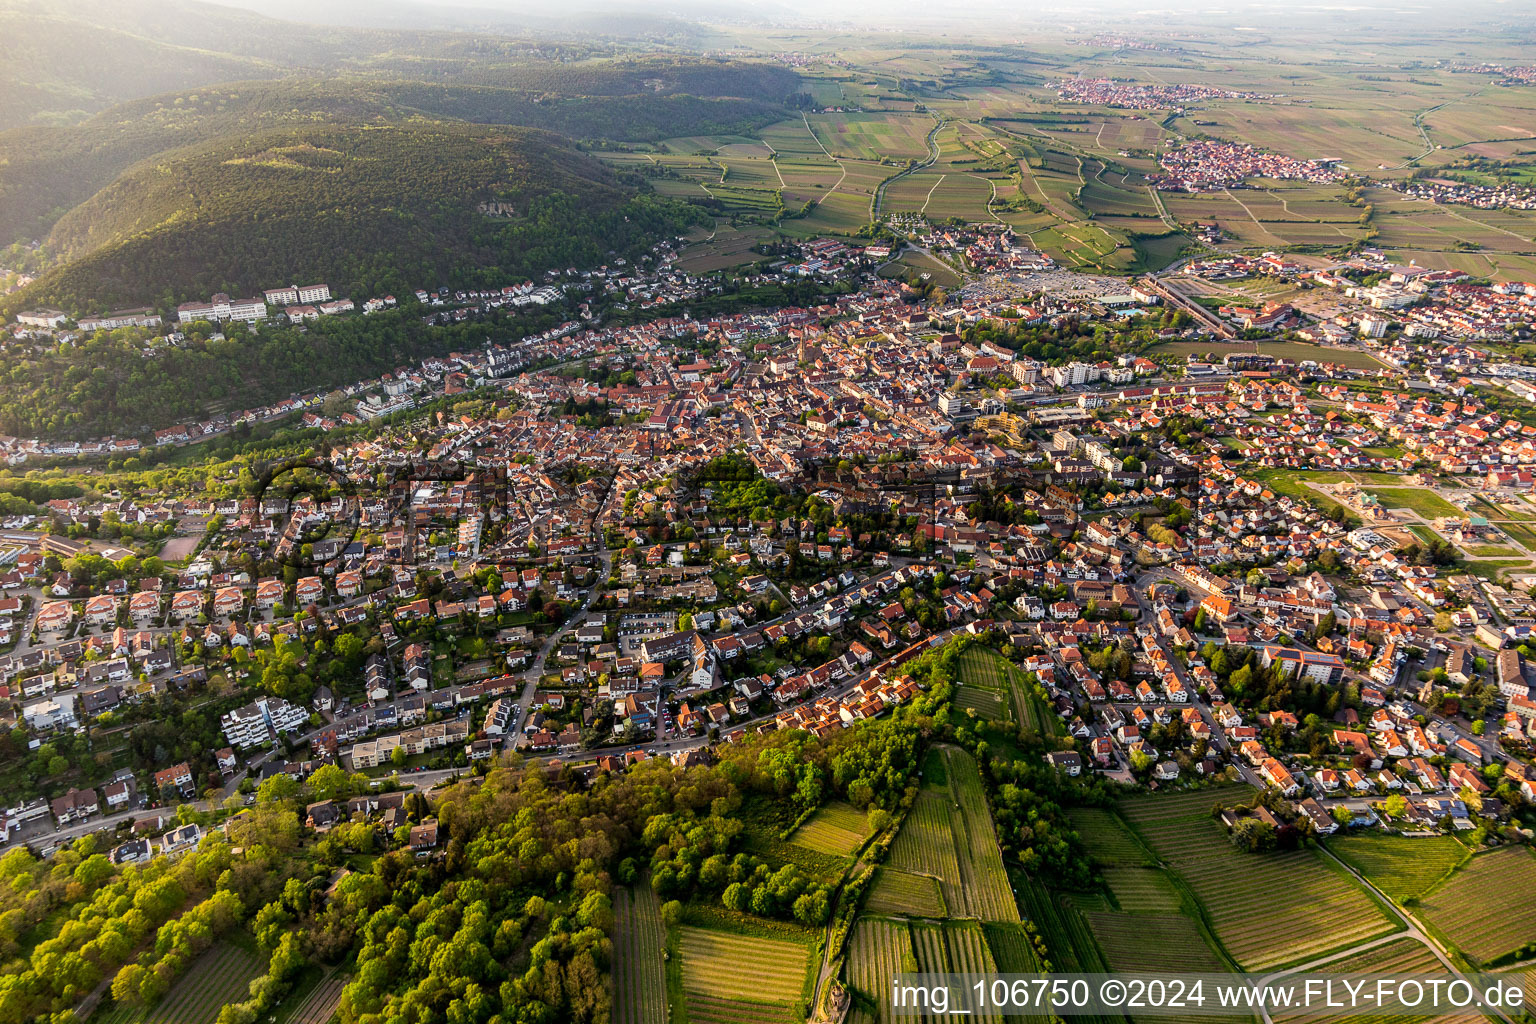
(1485, 909)
(1399, 866)
(639, 947)
(877, 951)
(1401, 956)
(1106, 839)
(949, 835)
(903, 892)
(1425, 503)
(220, 976)
(731, 978)
(1267, 910)
(837, 830)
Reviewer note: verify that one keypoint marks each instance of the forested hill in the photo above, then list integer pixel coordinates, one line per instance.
(45, 171)
(368, 208)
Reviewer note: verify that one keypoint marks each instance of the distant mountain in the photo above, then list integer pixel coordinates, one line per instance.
(368, 207)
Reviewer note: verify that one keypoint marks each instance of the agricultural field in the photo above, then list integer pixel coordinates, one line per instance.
(1164, 942)
(732, 978)
(986, 703)
(1106, 838)
(877, 950)
(1401, 867)
(725, 246)
(219, 977)
(953, 947)
(902, 892)
(837, 830)
(1267, 910)
(1400, 956)
(1485, 909)
(995, 687)
(639, 949)
(1141, 890)
(900, 137)
(948, 835)
(319, 1006)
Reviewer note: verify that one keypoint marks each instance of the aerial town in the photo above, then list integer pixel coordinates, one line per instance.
(517, 525)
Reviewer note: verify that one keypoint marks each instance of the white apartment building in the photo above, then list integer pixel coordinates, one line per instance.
(223, 308)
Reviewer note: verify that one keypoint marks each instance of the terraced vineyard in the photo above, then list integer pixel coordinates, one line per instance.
(837, 829)
(220, 976)
(1399, 866)
(1267, 910)
(902, 892)
(1401, 956)
(877, 950)
(954, 947)
(639, 949)
(1142, 890)
(949, 835)
(1106, 838)
(1162, 942)
(987, 703)
(321, 1003)
(1486, 908)
(729, 978)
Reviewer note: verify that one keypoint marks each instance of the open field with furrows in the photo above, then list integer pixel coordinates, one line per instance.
(698, 144)
(1141, 890)
(902, 892)
(219, 977)
(839, 213)
(953, 947)
(639, 952)
(1106, 838)
(729, 978)
(320, 1005)
(877, 951)
(873, 136)
(1400, 867)
(1068, 938)
(1267, 910)
(961, 194)
(1400, 956)
(791, 141)
(986, 703)
(1161, 942)
(838, 829)
(1493, 116)
(982, 672)
(949, 835)
(1485, 909)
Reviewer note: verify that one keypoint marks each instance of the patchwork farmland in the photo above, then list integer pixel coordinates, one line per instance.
(1267, 910)
(948, 835)
(1403, 868)
(1485, 908)
(731, 978)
